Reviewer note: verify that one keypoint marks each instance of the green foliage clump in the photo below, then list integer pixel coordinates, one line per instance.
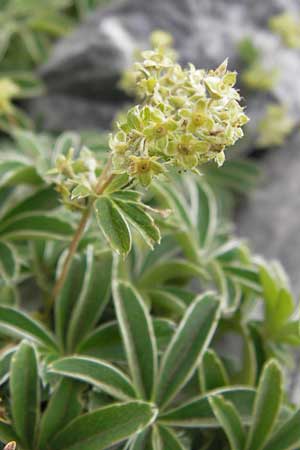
(275, 126)
(256, 76)
(133, 292)
(287, 26)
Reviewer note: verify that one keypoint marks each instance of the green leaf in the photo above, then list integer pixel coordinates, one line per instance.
(197, 413)
(126, 196)
(166, 304)
(67, 297)
(269, 287)
(16, 323)
(138, 336)
(187, 346)
(105, 427)
(212, 373)
(113, 225)
(52, 23)
(169, 440)
(7, 433)
(230, 421)
(245, 275)
(289, 333)
(64, 406)
(16, 172)
(174, 269)
(230, 290)
(142, 221)
(25, 393)
(28, 143)
(93, 297)
(9, 294)
(266, 406)
(105, 341)
(206, 215)
(5, 360)
(35, 226)
(238, 175)
(43, 199)
(96, 372)
(287, 437)
(175, 201)
(9, 263)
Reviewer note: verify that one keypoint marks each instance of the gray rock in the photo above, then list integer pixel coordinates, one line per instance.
(270, 217)
(88, 63)
(61, 112)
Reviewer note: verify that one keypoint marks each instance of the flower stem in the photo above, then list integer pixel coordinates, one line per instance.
(104, 180)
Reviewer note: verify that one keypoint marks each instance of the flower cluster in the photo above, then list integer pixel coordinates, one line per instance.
(275, 126)
(186, 117)
(288, 27)
(75, 178)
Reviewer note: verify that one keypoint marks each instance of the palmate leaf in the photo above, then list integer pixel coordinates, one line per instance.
(168, 439)
(18, 324)
(25, 393)
(187, 347)
(287, 437)
(106, 342)
(83, 297)
(93, 297)
(238, 175)
(207, 215)
(266, 406)
(64, 406)
(198, 413)
(96, 372)
(142, 221)
(175, 269)
(67, 297)
(174, 200)
(230, 421)
(5, 360)
(212, 373)
(245, 275)
(104, 427)
(230, 289)
(113, 225)
(9, 263)
(43, 199)
(138, 336)
(166, 303)
(35, 226)
(14, 172)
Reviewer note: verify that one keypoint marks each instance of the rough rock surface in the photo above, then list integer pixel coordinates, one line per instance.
(88, 63)
(270, 218)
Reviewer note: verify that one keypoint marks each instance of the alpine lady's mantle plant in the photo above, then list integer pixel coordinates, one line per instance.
(122, 352)
(187, 117)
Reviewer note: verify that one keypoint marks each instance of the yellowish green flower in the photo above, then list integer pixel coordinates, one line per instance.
(145, 168)
(287, 26)
(186, 116)
(275, 126)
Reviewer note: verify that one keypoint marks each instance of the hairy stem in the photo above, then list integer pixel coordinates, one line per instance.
(104, 180)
